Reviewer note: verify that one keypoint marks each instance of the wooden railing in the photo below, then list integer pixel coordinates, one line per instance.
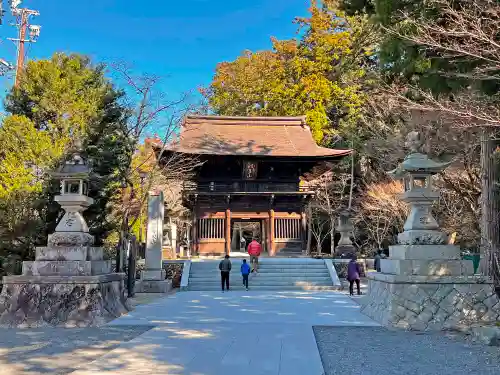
(242, 186)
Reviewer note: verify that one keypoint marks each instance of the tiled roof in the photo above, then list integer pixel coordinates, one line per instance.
(262, 136)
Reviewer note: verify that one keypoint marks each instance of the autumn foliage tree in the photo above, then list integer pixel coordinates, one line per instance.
(321, 75)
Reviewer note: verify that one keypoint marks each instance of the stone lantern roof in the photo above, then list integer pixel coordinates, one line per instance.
(76, 167)
(417, 162)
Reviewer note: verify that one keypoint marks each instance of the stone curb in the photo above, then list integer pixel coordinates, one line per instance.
(185, 275)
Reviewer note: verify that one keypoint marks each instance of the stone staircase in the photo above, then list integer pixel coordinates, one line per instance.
(274, 274)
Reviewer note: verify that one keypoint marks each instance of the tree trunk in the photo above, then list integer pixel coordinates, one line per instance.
(490, 207)
(309, 229)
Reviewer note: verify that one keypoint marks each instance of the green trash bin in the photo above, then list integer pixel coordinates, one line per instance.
(475, 260)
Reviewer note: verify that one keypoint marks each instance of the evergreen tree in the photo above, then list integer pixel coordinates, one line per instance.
(57, 102)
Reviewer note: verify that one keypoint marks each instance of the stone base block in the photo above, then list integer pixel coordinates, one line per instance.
(159, 275)
(346, 250)
(427, 267)
(153, 286)
(54, 268)
(422, 237)
(424, 252)
(67, 301)
(101, 267)
(66, 268)
(68, 239)
(428, 305)
(69, 253)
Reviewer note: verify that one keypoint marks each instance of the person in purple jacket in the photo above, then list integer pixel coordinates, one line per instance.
(353, 272)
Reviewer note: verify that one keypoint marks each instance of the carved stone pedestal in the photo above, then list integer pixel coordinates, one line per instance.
(64, 286)
(68, 301)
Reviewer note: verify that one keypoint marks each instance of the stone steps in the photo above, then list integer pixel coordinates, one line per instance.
(274, 274)
(260, 276)
(261, 280)
(239, 287)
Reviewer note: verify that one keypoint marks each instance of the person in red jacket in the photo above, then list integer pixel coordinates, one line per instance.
(254, 250)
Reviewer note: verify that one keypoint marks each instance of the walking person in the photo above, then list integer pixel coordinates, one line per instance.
(225, 269)
(353, 272)
(245, 271)
(254, 250)
(378, 257)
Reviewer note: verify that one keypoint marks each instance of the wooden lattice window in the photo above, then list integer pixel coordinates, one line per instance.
(211, 228)
(287, 229)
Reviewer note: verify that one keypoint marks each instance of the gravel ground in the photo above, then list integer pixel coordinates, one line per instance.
(58, 350)
(365, 350)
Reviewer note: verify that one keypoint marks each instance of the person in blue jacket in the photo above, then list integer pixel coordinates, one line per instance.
(245, 271)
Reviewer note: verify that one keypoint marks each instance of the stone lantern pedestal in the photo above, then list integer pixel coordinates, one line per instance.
(424, 285)
(69, 283)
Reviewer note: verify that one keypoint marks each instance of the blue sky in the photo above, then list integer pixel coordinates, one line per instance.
(181, 40)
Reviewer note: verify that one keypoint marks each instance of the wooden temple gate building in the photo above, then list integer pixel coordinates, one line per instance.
(251, 174)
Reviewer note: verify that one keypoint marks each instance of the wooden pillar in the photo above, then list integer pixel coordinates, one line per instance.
(228, 231)
(271, 232)
(194, 245)
(265, 235)
(303, 231)
(309, 230)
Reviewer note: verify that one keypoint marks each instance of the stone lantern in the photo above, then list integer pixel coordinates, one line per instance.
(72, 230)
(69, 283)
(416, 172)
(425, 285)
(345, 228)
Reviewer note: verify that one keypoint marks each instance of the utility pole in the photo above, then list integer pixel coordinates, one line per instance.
(23, 25)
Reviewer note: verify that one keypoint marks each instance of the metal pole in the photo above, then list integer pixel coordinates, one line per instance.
(132, 267)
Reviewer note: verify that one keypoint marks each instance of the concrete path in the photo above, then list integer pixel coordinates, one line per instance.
(205, 333)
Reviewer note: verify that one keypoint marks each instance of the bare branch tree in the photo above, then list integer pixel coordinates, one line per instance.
(465, 32)
(380, 213)
(319, 226)
(150, 110)
(332, 194)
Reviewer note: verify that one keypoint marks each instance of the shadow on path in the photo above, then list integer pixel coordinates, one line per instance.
(58, 350)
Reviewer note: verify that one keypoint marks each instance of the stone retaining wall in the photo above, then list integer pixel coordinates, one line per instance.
(430, 306)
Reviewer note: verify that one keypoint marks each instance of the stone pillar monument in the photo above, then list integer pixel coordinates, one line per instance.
(173, 236)
(153, 277)
(424, 285)
(345, 228)
(69, 283)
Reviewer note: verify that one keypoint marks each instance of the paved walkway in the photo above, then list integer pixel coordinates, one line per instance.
(205, 333)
